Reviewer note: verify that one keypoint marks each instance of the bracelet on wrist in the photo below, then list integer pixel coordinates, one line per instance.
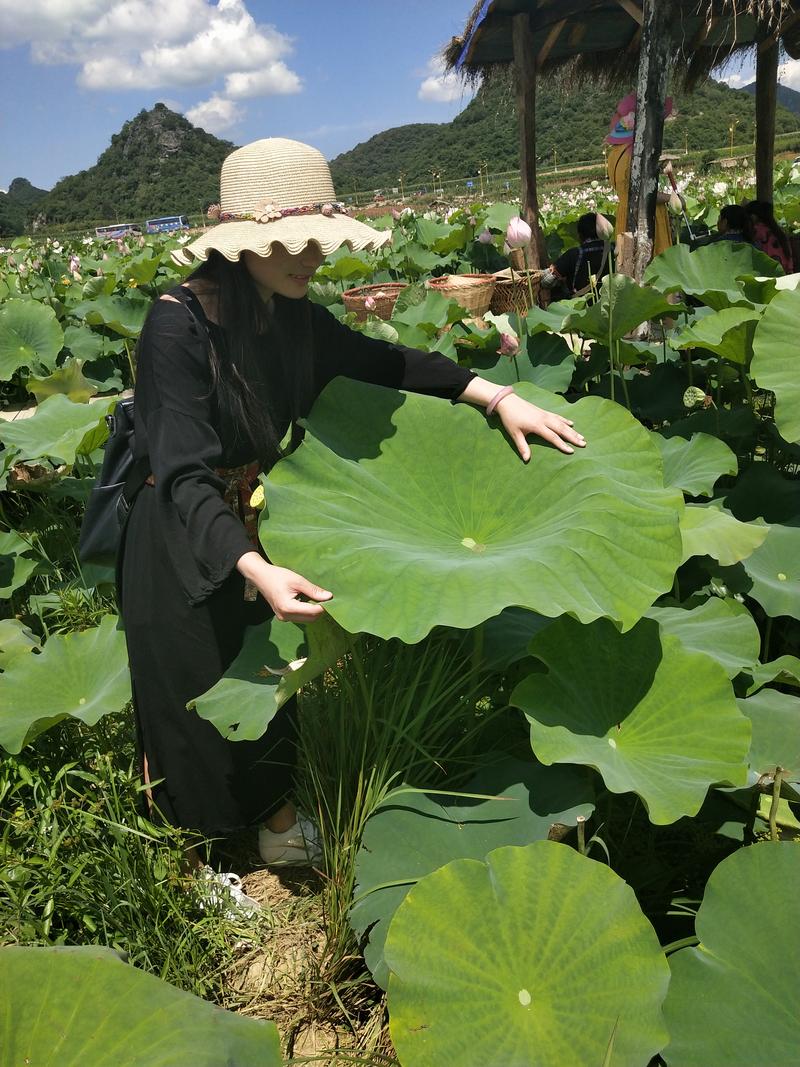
(498, 396)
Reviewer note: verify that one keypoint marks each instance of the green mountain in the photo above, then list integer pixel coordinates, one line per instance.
(572, 125)
(158, 164)
(788, 98)
(19, 206)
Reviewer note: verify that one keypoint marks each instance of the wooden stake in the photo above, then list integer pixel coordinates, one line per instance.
(525, 87)
(766, 100)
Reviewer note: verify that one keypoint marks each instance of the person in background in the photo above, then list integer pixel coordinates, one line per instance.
(571, 273)
(620, 137)
(768, 237)
(733, 225)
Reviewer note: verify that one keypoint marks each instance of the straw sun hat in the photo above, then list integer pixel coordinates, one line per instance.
(276, 190)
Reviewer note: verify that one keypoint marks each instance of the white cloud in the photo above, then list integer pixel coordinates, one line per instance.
(439, 86)
(272, 80)
(215, 115)
(789, 74)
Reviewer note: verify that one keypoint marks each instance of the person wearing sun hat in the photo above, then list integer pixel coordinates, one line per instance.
(228, 363)
(620, 136)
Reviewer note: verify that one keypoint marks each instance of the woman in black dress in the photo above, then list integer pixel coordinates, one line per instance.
(228, 362)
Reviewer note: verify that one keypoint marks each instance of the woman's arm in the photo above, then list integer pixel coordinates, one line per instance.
(520, 418)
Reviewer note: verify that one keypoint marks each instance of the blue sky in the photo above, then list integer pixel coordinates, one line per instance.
(72, 71)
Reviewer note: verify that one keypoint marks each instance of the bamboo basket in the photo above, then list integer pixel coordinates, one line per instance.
(385, 297)
(471, 291)
(513, 294)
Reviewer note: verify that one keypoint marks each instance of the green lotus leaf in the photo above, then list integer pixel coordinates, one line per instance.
(68, 380)
(505, 638)
(774, 363)
(774, 569)
(142, 268)
(709, 530)
(57, 430)
(623, 305)
(695, 465)
(666, 729)
(728, 333)
(498, 215)
(539, 956)
(775, 720)
(552, 318)
(416, 515)
(81, 675)
(276, 659)
(70, 1005)
(731, 999)
(546, 361)
(712, 273)
(15, 640)
(659, 394)
(15, 567)
(124, 315)
(722, 629)
(412, 834)
(785, 670)
(433, 312)
(763, 492)
(85, 343)
(99, 285)
(30, 336)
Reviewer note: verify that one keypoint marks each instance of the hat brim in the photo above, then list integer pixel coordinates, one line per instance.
(230, 239)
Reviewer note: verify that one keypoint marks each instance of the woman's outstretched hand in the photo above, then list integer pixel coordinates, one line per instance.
(520, 418)
(282, 588)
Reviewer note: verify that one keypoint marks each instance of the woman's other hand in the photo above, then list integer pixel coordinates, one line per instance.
(521, 418)
(282, 589)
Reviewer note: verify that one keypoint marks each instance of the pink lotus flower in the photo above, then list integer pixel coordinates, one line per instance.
(486, 237)
(74, 264)
(518, 233)
(472, 220)
(509, 344)
(370, 304)
(605, 231)
(396, 214)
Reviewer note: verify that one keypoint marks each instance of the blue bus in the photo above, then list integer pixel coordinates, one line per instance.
(117, 230)
(166, 224)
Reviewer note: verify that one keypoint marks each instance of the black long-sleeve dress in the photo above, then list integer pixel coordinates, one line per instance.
(181, 596)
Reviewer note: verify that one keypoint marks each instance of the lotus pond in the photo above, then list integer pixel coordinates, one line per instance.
(550, 724)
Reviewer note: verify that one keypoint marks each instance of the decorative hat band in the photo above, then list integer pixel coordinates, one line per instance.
(268, 212)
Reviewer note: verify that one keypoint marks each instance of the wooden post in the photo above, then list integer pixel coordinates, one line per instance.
(651, 92)
(525, 88)
(766, 99)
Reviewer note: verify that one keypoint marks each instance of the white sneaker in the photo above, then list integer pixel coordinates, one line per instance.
(224, 891)
(299, 846)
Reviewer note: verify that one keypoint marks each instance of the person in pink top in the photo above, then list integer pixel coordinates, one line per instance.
(768, 237)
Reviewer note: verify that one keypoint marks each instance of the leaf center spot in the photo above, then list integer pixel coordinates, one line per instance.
(612, 742)
(472, 544)
(781, 576)
(524, 997)
(82, 700)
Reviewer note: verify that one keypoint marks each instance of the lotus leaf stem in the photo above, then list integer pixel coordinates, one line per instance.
(773, 808)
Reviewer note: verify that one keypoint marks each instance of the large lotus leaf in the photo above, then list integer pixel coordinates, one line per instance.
(85, 343)
(722, 629)
(775, 354)
(775, 719)
(658, 395)
(728, 333)
(411, 835)
(57, 430)
(123, 315)
(651, 716)
(538, 957)
(82, 675)
(30, 336)
(15, 640)
(275, 660)
(552, 318)
(505, 638)
(434, 312)
(732, 1000)
(695, 465)
(763, 492)
(142, 268)
(415, 514)
(545, 360)
(65, 1006)
(774, 569)
(712, 273)
(623, 305)
(785, 670)
(709, 530)
(68, 380)
(15, 567)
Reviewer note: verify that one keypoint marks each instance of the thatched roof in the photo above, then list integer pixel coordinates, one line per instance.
(599, 39)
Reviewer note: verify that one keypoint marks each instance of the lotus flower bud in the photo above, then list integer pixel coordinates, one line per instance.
(396, 214)
(518, 233)
(370, 304)
(486, 237)
(509, 344)
(605, 231)
(472, 220)
(74, 264)
(668, 168)
(675, 204)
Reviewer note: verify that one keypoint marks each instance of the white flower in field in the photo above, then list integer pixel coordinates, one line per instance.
(603, 227)
(719, 188)
(595, 184)
(56, 247)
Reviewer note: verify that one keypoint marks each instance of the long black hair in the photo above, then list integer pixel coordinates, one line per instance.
(253, 330)
(738, 220)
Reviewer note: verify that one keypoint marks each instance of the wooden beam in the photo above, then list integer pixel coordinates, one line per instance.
(550, 40)
(766, 101)
(577, 33)
(651, 93)
(525, 90)
(633, 10)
